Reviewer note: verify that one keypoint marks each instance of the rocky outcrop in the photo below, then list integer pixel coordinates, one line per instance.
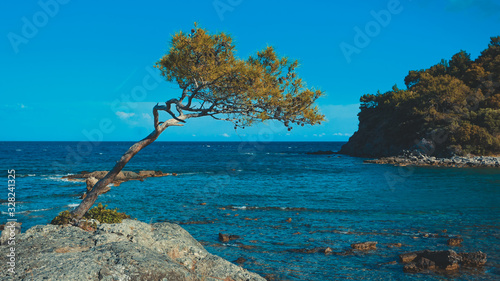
(448, 260)
(424, 160)
(130, 250)
(122, 176)
(364, 246)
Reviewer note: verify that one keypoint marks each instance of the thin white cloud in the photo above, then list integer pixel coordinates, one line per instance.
(342, 134)
(124, 115)
(225, 135)
(146, 116)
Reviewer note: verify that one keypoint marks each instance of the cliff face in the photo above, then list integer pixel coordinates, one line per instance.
(130, 250)
(370, 142)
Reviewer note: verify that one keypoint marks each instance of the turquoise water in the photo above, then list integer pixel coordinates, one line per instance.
(252, 189)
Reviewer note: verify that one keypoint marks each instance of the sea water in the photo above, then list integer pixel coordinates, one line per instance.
(278, 199)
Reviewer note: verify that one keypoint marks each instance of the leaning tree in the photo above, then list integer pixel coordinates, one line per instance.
(214, 82)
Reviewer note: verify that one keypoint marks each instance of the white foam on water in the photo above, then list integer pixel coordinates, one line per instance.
(27, 211)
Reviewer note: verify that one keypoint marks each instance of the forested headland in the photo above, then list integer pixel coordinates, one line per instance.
(451, 108)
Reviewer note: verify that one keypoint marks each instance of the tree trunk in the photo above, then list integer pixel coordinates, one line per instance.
(101, 185)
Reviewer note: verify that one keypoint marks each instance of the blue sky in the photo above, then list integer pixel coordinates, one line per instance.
(77, 70)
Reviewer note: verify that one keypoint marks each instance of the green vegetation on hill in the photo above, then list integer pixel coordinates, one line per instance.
(452, 107)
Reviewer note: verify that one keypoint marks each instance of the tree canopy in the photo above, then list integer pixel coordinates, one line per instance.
(218, 84)
(454, 104)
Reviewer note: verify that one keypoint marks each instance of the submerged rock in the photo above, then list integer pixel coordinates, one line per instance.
(240, 260)
(320, 250)
(130, 250)
(455, 241)
(226, 237)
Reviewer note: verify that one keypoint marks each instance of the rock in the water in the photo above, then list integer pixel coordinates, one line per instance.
(325, 251)
(241, 260)
(122, 176)
(411, 268)
(225, 237)
(447, 260)
(395, 245)
(408, 257)
(365, 246)
(473, 259)
(455, 241)
(424, 160)
(425, 263)
(130, 250)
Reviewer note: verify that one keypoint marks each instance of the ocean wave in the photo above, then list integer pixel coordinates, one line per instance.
(24, 176)
(72, 205)
(193, 173)
(268, 208)
(56, 178)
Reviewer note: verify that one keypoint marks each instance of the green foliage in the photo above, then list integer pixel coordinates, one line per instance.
(62, 219)
(99, 213)
(262, 87)
(103, 215)
(460, 97)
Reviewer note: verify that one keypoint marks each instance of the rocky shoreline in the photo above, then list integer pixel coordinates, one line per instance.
(131, 250)
(455, 161)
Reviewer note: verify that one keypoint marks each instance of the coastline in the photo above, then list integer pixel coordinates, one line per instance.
(455, 161)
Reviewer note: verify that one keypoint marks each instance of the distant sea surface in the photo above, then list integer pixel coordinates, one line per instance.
(278, 199)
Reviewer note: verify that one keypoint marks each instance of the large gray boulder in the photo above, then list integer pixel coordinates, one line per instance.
(130, 250)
